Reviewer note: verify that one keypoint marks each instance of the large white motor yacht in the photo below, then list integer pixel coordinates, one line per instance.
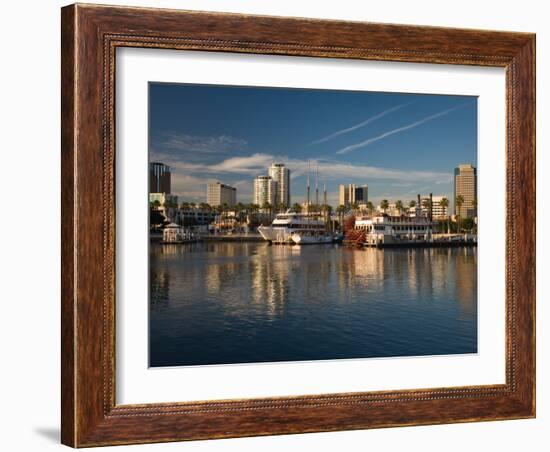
(286, 224)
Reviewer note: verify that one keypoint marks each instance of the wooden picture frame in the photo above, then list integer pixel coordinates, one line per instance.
(90, 36)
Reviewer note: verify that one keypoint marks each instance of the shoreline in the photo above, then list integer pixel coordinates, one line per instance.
(446, 244)
(253, 238)
(233, 238)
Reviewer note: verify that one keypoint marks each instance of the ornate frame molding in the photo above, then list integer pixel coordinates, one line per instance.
(90, 37)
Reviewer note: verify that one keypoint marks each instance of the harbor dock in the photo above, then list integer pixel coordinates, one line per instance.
(232, 238)
(419, 244)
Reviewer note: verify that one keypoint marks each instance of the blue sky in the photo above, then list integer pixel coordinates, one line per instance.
(398, 144)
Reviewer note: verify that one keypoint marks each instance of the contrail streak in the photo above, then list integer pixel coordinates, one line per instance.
(357, 126)
(362, 144)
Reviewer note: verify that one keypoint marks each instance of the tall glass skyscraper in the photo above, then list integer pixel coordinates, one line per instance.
(160, 179)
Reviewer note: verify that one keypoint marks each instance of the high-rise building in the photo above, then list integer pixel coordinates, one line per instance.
(218, 194)
(439, 212)
(281, 175)
(466, 186)
(350, 194)
(265, 190)
(159, 178)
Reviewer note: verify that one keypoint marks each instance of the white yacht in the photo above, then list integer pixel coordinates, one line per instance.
(286, 224)
(388, 229)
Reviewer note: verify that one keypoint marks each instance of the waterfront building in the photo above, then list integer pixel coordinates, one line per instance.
(280, 174)
(351, 193)
(465, 185)
(196, 216)
(438, 211)
(160, 179)
(218, 194)
(265, 189)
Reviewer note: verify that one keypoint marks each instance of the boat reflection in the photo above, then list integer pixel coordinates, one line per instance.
(249, 302)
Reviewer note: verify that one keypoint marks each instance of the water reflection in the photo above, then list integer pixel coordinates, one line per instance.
(249, 302)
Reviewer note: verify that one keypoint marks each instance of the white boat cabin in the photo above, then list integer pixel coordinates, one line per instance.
(395, 229)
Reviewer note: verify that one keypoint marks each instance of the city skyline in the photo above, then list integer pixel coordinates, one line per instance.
(397, 144)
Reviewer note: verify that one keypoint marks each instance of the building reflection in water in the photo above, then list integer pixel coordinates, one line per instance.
(325, 299)
(159, 284)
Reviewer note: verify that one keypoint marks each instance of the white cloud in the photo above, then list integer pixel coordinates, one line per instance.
(190, 187)
(194, 143)
(189, 179)
(328, 169)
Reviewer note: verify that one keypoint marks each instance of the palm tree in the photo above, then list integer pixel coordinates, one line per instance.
(239, 209)
(445, 204)
(251, 209)
(281, 207)
(327, 210)
(370, 207)
(384, 205)
(426, 204)
(354, 207)
(340, 210)
(412, 204)
(399, 206)
(267, 206)
(297, 207)
(458, 204)
(223, 212)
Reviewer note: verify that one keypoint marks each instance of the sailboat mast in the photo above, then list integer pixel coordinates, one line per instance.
(317, 186)
(325, 210)
(307, 202)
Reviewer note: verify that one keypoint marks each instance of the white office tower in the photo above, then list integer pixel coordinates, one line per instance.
(281, 176)
(265, 190)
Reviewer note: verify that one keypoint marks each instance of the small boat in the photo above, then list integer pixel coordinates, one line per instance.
(337, 237)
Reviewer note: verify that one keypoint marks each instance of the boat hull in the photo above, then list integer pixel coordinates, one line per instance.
(299, 239)
(285, 225)
(275, 235)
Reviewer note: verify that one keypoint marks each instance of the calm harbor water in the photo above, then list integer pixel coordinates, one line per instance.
(219, 303)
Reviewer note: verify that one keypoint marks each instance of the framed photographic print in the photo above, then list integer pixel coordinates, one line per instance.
(280, 225)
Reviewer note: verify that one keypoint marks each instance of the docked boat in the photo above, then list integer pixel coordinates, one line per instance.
(382, 230)
(286, 224)
(338, 237)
